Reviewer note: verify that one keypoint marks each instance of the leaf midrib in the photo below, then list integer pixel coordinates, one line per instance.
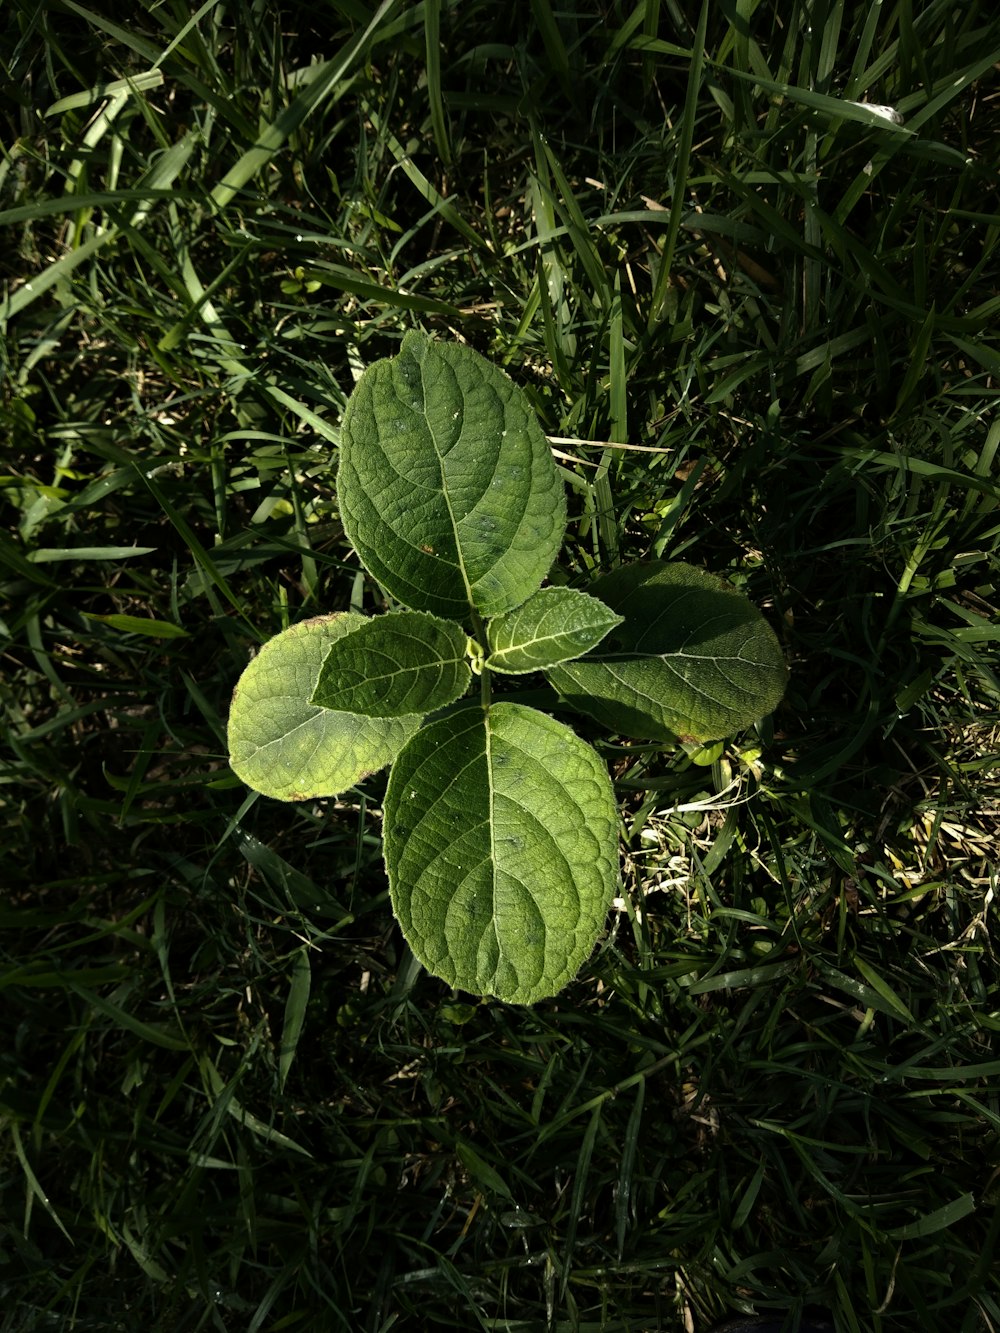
(491, 820)
(523, 645)
(688, 684)
(444, 481)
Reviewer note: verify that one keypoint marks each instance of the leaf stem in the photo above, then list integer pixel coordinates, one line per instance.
(479, 630)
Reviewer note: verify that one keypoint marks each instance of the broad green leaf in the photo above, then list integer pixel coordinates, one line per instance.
(447, 487)
(286, 747)
(401, 663)
(694, 659)
(553, 625)
(501, 843)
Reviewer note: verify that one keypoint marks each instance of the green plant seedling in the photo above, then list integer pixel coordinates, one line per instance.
(500, 823)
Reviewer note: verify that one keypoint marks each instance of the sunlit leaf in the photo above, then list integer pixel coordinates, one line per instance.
(502, 850)
(401, 663)
(553, 625)
(283, 745)
(693, 660)
(446, 485)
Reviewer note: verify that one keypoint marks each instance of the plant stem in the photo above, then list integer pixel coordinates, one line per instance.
(479, 629)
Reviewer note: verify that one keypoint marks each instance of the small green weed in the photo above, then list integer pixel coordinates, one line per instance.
(501, 841)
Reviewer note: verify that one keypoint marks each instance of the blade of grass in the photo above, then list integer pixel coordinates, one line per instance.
(604, 505)
(158, 178)
(274, 136)
(34, 1186)
(938, 1220)
(437, 201)
(678, 201)
(432, 56)
(626, 1184)
(581, 1178)
(295, 1013)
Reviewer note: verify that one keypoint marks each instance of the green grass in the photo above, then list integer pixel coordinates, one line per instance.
(228, 1097)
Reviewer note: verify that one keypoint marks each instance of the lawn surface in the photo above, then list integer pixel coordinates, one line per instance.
(758, 321)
